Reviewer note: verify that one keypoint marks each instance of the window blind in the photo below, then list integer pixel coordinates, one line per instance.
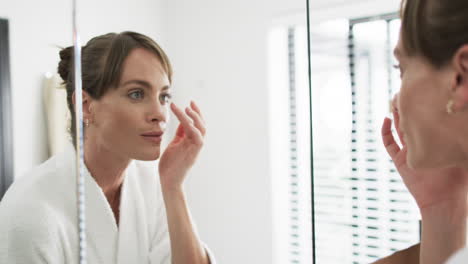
(295, 250)
(300, 212)
(384, 217)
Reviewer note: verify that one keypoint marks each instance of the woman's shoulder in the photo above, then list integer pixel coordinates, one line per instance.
(30, 228)
(39, 195)
(26, 216)
(31, 231)
(37, 181)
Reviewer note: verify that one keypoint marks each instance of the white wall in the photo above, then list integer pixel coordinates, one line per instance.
(218, 52)
(36, 28)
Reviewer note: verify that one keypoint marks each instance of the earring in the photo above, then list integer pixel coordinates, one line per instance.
(87, 122)
(450, 107)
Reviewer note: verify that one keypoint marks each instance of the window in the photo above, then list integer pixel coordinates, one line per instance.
(300, 199)
(362, 209)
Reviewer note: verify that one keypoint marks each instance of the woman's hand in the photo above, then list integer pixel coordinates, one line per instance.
(175, 162)
(182, 152)
(428, 186)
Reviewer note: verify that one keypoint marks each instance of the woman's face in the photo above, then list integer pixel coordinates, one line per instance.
(429, 131)
(129, 120)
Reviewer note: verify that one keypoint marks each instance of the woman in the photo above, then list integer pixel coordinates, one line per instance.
(133, 215)
(431, 119)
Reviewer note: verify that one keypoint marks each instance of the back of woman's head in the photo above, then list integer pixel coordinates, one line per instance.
(434, 29)
(102, 61)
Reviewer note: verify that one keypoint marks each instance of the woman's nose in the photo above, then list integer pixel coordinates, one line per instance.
(158, 113)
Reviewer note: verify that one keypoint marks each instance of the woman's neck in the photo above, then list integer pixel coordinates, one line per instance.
(107, 168)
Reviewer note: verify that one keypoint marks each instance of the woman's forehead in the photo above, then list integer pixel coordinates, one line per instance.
(142, 65)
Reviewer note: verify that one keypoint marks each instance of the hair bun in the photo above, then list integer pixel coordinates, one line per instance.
(65, 62)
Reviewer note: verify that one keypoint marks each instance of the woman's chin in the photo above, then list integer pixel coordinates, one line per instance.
(148, 155)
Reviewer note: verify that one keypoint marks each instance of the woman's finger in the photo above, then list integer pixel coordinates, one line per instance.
(190, 130)
(389, 141)
(180, 131)
(396, 118)
(197, 121)
(197, 109)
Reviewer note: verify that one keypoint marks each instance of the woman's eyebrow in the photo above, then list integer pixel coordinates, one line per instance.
(139, 82)
(145, 84)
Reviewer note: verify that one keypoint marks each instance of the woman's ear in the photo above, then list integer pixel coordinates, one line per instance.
(86, 106)
(460, 87)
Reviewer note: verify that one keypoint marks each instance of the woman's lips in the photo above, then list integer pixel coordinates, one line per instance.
(154, 137)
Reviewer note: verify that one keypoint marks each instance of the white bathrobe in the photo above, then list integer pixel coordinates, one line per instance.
(38, 217)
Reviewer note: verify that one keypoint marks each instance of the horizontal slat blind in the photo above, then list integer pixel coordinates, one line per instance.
(300, 214)
(384, 218)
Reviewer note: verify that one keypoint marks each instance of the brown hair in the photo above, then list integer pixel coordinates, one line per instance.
(434, 29)
(102, 61)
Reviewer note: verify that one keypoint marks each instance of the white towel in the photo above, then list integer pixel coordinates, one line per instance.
(57, 113)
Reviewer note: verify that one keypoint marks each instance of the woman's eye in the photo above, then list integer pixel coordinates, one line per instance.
(136, 95)
(166, 98)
